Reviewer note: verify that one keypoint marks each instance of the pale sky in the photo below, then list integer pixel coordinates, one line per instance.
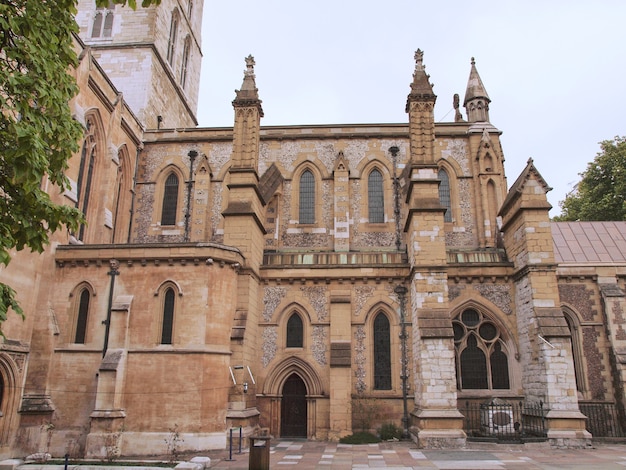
(554, 69)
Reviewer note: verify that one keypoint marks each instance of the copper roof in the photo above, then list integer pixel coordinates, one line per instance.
(589, 242)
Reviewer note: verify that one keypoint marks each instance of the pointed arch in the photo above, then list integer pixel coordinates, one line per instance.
(293, 365)
(169, 205)
(573, 321)
(450, 198)
(81, 313)
(381, 326)
(169, 306)
(171, 43)
(307, 198)
(102, 25)
(493, 204)
(294, 331)
(307, 191)
(123, 197)
(381, 334)
(375, 196)
(444, 194)
(185, 61)
(484, 349)
(169, 195)
(10, 386)
(88, 170)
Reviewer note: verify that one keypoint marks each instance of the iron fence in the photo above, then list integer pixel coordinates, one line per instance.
(603, 419)
(504, 421)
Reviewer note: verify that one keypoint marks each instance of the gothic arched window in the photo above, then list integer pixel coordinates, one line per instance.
(81, 318)
(481, 359)
(167, 326)
(307, 198)
(375, 197)
(86, 172)
(382, 353)
(171, 44)
(444, 194)
(170, 200)
(104, 15)
(295, 331)
(185, 63)
(577, 350)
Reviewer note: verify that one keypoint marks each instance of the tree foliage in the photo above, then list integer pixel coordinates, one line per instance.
(601, 193)
(37, 132)
(131, 3)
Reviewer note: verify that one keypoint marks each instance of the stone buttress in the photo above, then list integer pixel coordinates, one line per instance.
(435, 422)
(544, 337)
(243, 229)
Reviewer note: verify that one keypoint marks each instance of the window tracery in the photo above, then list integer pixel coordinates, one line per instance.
(481, 358)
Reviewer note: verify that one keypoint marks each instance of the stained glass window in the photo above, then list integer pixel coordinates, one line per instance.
(375, 197)
(481, 358)
(307, 198)
(444, 194)
(294, 331)
(382, 353)
(170, 200)
(168, 317)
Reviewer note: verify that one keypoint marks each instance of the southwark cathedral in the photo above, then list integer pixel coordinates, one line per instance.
(304, 281)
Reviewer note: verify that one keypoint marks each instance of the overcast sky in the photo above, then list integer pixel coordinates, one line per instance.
(555, 70)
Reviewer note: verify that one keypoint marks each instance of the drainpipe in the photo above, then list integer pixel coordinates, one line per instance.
(401, 291)
(113, 272)
(192, 156)
(396, 196)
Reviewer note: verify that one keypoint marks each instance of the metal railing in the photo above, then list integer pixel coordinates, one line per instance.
(504, 421)
(603, 419)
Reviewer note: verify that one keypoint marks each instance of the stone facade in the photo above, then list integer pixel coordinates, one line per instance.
(313, 280)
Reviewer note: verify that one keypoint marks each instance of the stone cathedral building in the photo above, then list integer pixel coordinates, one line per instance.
(280, 277)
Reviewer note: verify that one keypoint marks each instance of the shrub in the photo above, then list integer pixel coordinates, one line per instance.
(389, 431)
(360, 438)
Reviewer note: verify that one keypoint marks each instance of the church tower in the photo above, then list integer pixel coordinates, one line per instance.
(152, 55)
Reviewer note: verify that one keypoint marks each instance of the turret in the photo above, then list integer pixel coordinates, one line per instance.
(420, 105)
(476, 101)
(248, 114)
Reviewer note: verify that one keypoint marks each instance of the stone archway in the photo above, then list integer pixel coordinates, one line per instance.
(293, 385)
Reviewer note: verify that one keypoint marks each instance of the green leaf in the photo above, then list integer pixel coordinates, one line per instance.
(601, 192)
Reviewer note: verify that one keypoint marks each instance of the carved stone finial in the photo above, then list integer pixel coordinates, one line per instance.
(473, 61)
(419, 59)
(250, 63)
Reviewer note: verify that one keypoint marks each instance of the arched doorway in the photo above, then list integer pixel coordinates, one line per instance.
(293, 409)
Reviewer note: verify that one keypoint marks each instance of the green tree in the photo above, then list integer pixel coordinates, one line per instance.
(601, 193)
(37, 132)
(131, 3)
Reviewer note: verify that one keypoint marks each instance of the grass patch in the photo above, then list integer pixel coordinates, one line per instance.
(360, 438)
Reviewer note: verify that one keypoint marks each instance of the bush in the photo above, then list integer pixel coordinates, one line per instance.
(389, 432)
(360, 438)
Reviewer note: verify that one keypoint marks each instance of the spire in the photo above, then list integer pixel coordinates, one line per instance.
(476, 98)
(421, 88)
(420, 104)
(249, 93)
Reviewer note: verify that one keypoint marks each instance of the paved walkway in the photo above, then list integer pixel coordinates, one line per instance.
(305, 455)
